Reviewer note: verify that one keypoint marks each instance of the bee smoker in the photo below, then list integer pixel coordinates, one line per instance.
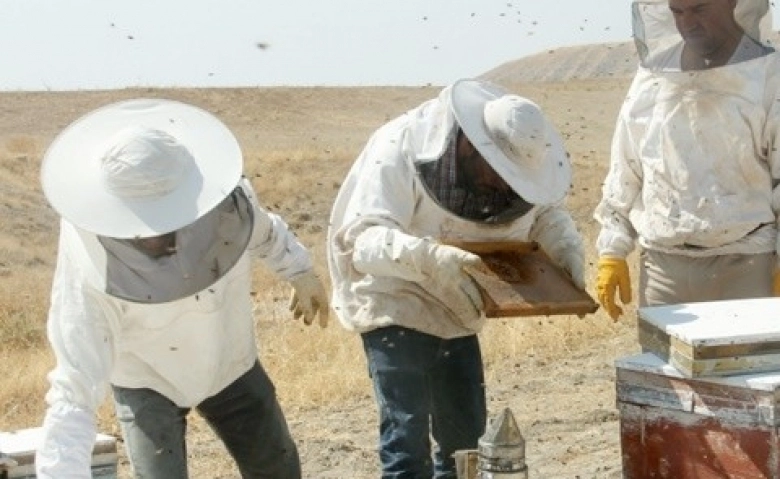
(500, 452)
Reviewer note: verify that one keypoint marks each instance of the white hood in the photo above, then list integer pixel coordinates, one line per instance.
(655, 32)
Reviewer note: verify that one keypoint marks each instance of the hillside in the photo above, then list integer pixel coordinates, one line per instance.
(556, 373)
(582, 62)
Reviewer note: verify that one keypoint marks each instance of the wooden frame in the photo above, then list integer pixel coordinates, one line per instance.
(518, 279)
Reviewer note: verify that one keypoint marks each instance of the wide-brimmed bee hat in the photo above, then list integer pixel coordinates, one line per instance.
(140, 168)
(514, 137)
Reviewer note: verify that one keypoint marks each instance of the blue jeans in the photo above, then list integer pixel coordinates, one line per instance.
(425, 386)
(245, 415)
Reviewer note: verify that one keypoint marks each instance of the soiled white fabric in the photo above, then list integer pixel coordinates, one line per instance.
(573, 263)
(383, 189)
(382, 251)
(695, 162)
(188, 349)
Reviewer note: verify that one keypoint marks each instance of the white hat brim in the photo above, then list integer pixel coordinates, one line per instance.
(72, 179)
(546, 185)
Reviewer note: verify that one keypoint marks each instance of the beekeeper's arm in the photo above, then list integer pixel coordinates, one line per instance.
(386, 251)
(375, 235)
(617, 237)
(80, 335)
(557, 235)
(276, 245)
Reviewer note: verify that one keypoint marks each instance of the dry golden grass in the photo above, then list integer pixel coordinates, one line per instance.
(296, 157)
(290, 351)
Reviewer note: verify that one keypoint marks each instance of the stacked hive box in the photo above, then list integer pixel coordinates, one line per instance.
(701, 401)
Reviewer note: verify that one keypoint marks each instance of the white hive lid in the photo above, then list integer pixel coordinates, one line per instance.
(716, 323)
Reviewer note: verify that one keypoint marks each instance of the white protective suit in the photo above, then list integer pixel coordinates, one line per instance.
(371, 287)
(188, 349)
(695, 161)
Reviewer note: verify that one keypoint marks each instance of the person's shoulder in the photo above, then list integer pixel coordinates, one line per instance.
(664, 59)
(390, 135)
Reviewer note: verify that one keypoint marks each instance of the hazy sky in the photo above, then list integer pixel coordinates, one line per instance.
(86, 44)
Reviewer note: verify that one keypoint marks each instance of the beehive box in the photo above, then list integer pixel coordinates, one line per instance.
(676, 427)
(518, 279)
(19, 450)
(716, 338)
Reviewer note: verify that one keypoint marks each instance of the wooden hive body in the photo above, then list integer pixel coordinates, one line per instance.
(716, 338)
(676, 427)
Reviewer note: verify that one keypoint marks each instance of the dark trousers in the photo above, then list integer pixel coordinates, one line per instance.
(245, 415)
(425, 386)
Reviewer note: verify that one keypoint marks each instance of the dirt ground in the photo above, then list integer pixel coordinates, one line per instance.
(565, 405)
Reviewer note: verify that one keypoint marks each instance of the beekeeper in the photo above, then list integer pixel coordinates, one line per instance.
(695, 161)
(477, 163)
(151, 292)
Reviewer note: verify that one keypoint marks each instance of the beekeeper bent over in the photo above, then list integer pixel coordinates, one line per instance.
(477, 163)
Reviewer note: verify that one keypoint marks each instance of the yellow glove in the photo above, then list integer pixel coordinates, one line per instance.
(613, 275)
(776, 282)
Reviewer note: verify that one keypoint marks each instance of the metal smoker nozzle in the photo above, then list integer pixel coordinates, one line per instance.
(501, 450)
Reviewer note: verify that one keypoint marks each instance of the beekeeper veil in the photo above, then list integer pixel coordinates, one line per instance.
(658, 40)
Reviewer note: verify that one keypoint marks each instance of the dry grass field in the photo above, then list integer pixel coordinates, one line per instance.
(556, 373)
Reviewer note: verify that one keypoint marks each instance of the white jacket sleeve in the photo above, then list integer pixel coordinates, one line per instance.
(383, 251)
(556, 233)
(621, 188)
(772, 148)
(80, 336)
(65, 451)
(437, 268)
(273, 241)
